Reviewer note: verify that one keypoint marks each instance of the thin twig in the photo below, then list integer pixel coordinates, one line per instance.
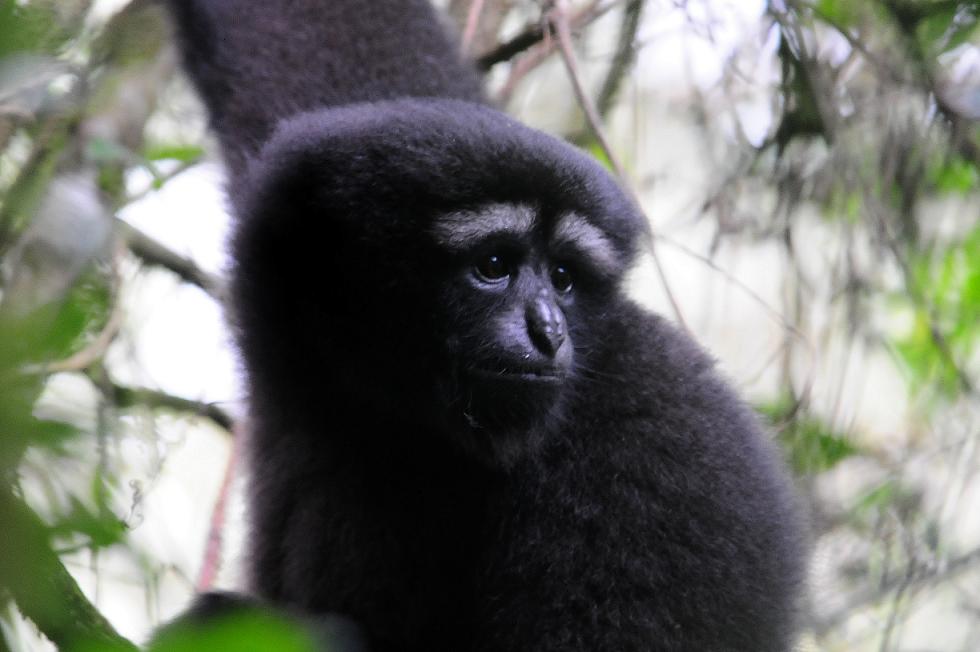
(874, 594)
(623, 58)
(136, 396)
(160, 180)
(525, 40)
(538, 31)
(921, 301)
(559, 20)
(520, 69)
(903, 587)
(96, 349)
(472, 22)
(665, 282)
(155, 253)
(212, 550)
(827, 114)
(773, 313)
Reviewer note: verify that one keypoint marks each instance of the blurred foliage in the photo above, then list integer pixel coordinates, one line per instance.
(947, 330)
(875, 129)
(812, 445)
(251, 631)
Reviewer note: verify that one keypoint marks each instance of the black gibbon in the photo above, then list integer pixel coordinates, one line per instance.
(463, 435)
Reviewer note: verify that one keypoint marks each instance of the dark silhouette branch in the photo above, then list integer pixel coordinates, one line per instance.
(537, 32)
(135, 396)
(152, 252)
(525, 40)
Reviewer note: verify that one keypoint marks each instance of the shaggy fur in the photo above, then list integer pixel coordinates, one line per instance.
(633, 504)
(255, 63)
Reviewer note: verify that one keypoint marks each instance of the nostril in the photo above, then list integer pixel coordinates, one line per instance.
(545, 326)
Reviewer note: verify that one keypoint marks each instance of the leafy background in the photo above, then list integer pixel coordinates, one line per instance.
(811, 169)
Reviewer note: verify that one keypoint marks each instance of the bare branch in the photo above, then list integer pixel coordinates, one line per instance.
(525, 40)
(136, 396)
(537, 32)
(914, 579)
(472, 21)
(624, 57)
(559, 20)
(154, 253)
(160, 180)
(212, 550)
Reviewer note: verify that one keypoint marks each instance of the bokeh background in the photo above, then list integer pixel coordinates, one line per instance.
(811, 171)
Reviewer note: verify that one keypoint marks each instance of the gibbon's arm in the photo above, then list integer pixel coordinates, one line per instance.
(255, 62)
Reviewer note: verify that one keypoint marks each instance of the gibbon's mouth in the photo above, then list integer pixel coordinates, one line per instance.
(520, 375)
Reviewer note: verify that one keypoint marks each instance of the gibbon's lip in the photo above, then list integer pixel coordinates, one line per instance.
(525, 374)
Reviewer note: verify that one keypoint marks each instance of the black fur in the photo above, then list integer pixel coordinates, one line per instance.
(632, 504)
(255, 63)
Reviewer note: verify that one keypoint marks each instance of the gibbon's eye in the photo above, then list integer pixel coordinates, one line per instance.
(561, 278)
(492, 268)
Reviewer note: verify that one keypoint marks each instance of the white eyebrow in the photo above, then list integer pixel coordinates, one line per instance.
(462, 229)
(576, 232)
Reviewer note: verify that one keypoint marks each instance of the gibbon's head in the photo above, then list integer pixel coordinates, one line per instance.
(429, 260)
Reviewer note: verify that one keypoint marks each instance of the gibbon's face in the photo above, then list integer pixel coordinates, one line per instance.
(520, 289)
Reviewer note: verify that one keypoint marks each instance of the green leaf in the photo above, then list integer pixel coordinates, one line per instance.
(596, 150)
(966, 32)
(957, 176)
(948, 279)
(811, 445)
(81, 314)
(933, 28)
(945, 25)
(879, 497)
(174, 152)
(105, 150)
(102, 528)
(53, 435)
(253, 631)
(23, 27)
(925, 361)
(844, 204)
(840, 13)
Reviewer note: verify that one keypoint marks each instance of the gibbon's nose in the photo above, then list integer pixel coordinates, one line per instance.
(545, 325)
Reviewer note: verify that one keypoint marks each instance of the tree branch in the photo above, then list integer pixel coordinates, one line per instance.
(913, 579)
(472, 21)
(136, 396)
(559, 20)
(537, 32)
(154, 253)
(623, 59)
(43, 589)
(212, 549)
(525, 40)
